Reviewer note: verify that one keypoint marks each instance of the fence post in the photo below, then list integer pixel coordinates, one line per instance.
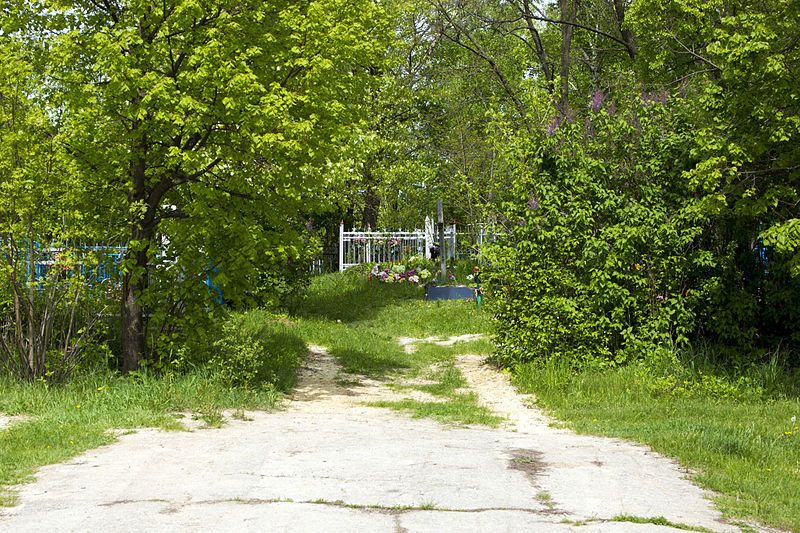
(368, 245)
(455, 258)
(341, 246)
(442, 245)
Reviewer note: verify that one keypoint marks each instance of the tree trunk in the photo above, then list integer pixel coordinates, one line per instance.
(134, 280)
(133, 341)
(33, 363)
(537, 43)
(625, 32)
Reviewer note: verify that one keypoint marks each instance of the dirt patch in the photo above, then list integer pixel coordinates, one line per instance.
(322, 385)
(7, 421)
(496, 392)
(409, 343)
(528, 462)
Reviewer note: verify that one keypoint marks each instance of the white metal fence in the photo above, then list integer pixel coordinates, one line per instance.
(359, 247)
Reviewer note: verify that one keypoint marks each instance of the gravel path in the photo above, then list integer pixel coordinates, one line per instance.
(329, 463)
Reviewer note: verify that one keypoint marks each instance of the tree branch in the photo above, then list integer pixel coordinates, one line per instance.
(478, 50)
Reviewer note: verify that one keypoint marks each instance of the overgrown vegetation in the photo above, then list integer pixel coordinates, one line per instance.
(249, 360)
(253, 361)
(360, 324)
(636, 161)
(200, 136)
(256, 349)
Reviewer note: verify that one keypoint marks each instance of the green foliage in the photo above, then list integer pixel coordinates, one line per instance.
(348, 296)
(56, 328)
(740, 64)
(256, 349)
(50, 311)
(202, 134)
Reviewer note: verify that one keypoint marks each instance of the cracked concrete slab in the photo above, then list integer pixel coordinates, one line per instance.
(329, 463)
(595, 476)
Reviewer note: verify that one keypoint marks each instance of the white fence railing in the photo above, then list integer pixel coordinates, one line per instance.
(359, 247)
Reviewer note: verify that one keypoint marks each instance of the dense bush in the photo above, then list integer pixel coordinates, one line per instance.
(612, 247)
(598, 247)
(55, 325)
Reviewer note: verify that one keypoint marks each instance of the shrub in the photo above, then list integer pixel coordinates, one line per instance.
(256, 349)
(599, 242)
(53, 325)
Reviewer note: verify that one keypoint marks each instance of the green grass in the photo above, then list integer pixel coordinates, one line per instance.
(64, 421)
(737, 446)
(658, 521)
(458, 409)
(655, 520)
(735, 433)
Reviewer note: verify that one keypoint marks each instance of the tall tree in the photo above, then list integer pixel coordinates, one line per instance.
(176, 103)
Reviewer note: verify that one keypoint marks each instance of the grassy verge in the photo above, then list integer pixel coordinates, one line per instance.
(254, 359)
(64, 421)
(743, 447)
(360, 324)
(446, 383)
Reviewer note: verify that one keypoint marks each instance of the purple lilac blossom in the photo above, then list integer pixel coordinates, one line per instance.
(597, 100)
(553, 126)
